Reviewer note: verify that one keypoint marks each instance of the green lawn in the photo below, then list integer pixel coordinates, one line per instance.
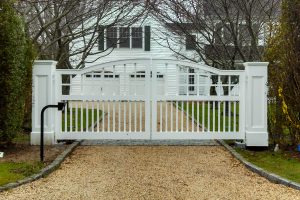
(11, 172)
(84, 111)
(281, 164)
(211, 116)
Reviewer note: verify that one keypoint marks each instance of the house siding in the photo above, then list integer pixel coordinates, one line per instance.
(159, 48)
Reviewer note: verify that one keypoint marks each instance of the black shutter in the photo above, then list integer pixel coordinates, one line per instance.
(147, 38)
(101, 38)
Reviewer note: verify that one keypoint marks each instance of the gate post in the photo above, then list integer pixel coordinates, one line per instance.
(43, 93)
(256, 104)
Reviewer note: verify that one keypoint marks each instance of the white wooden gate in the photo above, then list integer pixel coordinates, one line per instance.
(160, 99)
(103, 102)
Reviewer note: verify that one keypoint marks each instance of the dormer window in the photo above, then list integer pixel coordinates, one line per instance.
(124, 38)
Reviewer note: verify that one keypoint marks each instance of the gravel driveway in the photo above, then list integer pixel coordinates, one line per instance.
(148, 172)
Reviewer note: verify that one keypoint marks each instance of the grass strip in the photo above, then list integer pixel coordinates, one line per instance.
(280, 163)
(11, 172)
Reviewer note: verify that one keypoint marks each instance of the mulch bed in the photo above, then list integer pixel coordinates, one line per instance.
(24, 152)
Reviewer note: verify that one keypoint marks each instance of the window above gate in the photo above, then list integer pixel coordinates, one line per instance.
(141, 74)
(100, 74)
(124, 38)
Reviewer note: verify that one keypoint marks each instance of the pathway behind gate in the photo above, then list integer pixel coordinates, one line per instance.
(148, 172)
(165, 114)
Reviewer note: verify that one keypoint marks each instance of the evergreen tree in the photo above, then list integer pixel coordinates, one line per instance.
(16, 56)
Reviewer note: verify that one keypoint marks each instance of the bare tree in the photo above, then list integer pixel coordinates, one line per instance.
(222, 32)
(53, 25)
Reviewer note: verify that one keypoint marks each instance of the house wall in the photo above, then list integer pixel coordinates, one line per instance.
(159, 48)
(159, 44)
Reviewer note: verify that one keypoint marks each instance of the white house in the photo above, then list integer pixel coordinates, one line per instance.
(146, 38)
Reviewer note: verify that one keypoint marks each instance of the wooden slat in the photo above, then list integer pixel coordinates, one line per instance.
(93, 117)
(98, 113)
(208, 116)
(119, 115)
(171, 116)
(108, 115)
(103, 117)
(224, 116)
(114, 116)
(86, 116)
(130, 116)
(141, 116)
(125, 107)
(182, 108)
(187, 116)
(177, 116)
(66, 119)
(198, 117)
(161, 119)
(71, 116)
(81, 116)
(193, 124)
(203, 116)
(219, 116)
(166, 116)
(214, 116)
(135, 117)
(76, 116)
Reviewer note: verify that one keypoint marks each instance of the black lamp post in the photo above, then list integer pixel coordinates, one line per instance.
(59, 106)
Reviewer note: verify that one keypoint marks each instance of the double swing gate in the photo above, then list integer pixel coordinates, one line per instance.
(151, 99)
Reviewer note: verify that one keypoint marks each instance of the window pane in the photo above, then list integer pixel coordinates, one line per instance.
(124, 37)
(190, 42)
(191, 79)
(137, 43)
(137, 37)
(112, 37)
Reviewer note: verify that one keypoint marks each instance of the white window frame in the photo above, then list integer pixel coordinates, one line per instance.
(130, 39)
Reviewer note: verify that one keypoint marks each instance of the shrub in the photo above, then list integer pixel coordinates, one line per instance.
(283, 53)
(16, 58)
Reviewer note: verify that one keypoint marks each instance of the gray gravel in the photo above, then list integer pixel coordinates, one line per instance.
(151, 172)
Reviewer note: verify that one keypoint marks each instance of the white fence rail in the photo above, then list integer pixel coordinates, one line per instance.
(157, 99)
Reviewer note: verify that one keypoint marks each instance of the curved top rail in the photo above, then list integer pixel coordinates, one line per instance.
(149, 61)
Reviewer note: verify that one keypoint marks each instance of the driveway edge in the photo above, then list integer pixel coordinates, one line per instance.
(45, 171)
(274, 178)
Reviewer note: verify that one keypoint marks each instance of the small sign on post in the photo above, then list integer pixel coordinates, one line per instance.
(1, 154)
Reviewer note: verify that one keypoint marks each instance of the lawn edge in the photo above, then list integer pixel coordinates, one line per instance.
(45, 171)
(274, 178)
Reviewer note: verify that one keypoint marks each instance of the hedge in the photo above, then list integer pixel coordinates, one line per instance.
(16, 56)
